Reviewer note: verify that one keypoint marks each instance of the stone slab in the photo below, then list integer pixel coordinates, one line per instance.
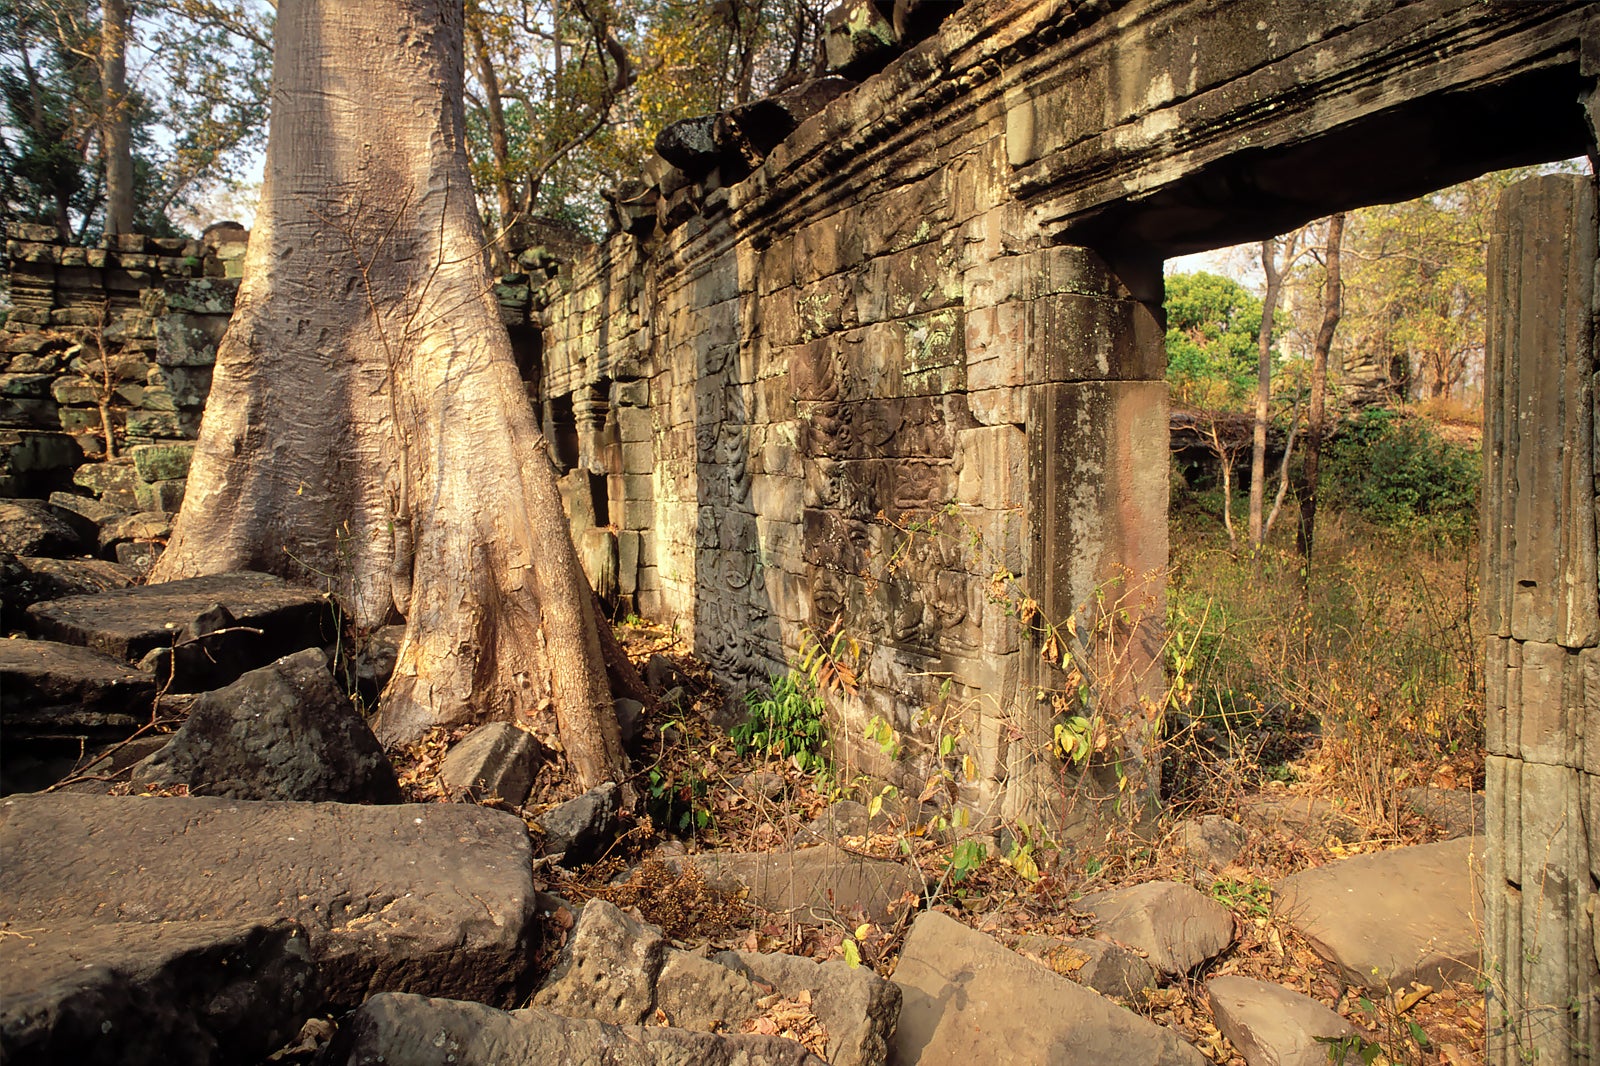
(131, 994)
(1393, 917)
(45, 685)
(127, 623)
(408, 1029)
(1175, 926)
(819, 885)
(429, 898)
(967, 999)
(1271, 1025)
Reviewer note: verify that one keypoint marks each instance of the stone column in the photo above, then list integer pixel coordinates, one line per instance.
(1098, 471)
(1542, 610)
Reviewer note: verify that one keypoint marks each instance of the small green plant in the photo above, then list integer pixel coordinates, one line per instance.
(678, 802)
(965, 858)
(1252, 898)
(785, 723)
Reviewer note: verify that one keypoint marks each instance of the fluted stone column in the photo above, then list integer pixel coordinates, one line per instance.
(1543, 620)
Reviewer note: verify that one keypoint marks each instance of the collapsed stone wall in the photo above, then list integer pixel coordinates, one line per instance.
(132, 329)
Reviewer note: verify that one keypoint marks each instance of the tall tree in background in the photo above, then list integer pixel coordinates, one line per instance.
(367, 425)
(1332, 308)
(90, 140)
(1274, 268)
(565, 97)
(116, 117)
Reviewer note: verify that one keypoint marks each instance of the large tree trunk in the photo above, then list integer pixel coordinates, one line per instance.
(367, 427)
(1332, 310)
(116, 128)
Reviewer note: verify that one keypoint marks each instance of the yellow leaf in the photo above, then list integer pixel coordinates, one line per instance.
(852, 954)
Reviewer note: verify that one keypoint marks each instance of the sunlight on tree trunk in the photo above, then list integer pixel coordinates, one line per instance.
(1275, 270)
(116, 133)
(1332, 308)
(367, 429)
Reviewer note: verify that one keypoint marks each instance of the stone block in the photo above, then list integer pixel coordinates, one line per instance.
(992, 465)
(968, 999)
(496, 759)
(152, 993)
(162, 462)
(377, 919)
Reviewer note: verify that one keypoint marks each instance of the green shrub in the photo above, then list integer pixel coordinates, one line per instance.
(786, 722)
(1397, 471)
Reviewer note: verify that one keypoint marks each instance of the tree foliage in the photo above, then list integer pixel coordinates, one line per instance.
(1212, 324)
(565, 97)
(198, 72)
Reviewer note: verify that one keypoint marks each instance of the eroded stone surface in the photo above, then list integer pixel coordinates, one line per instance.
(27, 579)
(496, 759)
(44, 681)
(1210, 842)
(813, 885)
(432, 898)
(608, 968)
(127, 623)
(396, 1028)
(32, 527)
(858, 1008)
(283, 732)
(1314, 818)
(1271, 1025)
(136, 993)
(1107, 968)
(1176, 927)
(967, 999)
(1386, 919)
(580, 828)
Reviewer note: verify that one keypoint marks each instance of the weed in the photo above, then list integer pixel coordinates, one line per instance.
(785, 723)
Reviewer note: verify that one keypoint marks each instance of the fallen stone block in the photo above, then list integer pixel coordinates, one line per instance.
(817, 885)
(44, 684)
(28, 579)
(429, 898)
(134, 993)
(608, 968)
(581, 828)
(416, 1031)
(283, 732)
(858, 1008)
(1209, 842)
(129, 623)
(968, 999)
(1271, 1025)
(1312, 818)
(1457, 812)
(1176, 927)
(497, 759)
(695, 993)
(32, 527)
(1393, 917)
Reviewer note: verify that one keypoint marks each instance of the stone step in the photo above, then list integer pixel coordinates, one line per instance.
(427, 898)
(129, 623)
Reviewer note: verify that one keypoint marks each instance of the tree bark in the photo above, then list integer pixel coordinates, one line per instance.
(1258, 441)
(367, 428)
(508, 240)
(116, 130)
(1316, 417)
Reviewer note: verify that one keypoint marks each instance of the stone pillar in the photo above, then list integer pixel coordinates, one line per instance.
(1542, 610)
(1098, 471)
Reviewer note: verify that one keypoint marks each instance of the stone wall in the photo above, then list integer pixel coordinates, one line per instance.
(133, 327)
(900, 371)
